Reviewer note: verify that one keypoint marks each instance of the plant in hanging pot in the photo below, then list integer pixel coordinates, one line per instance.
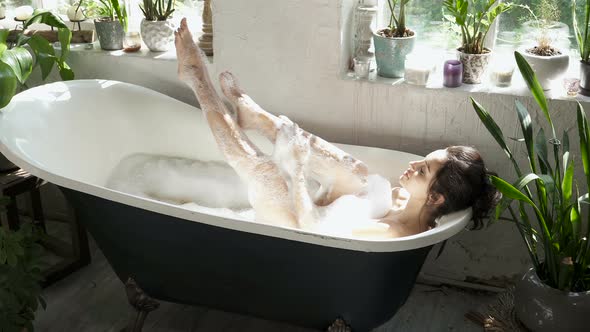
(111, 24)
(157, 31)
(548, 61)
(583, 39)
(474, 18)
(394, 42)
(76, 12)
(555, 294)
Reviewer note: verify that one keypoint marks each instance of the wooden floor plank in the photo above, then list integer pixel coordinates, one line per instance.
(93, 299)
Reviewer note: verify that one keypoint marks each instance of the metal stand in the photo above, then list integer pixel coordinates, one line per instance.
(339, 325)
(74, 22)
(141, 302)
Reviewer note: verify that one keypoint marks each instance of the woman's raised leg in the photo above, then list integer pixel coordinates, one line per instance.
(338, 172)
(268, 191)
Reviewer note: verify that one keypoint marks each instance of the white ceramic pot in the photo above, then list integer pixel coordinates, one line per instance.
(545, 309)
(158, 36)
(547, 68)
(75, 15)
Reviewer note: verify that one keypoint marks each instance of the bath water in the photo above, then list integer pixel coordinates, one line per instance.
(213, 187)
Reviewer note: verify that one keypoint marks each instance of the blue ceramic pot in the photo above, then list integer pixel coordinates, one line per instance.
(390, 54)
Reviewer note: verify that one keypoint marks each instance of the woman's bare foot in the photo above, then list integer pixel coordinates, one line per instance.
(188, 53)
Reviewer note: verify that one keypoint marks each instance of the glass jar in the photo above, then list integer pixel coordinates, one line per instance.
(132, 42)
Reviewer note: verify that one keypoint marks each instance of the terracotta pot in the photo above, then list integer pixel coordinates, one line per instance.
(545, 309)
(584, 78)
(474, 65)
(390, 54)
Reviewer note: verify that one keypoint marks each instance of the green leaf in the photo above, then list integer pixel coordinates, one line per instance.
(8, 84)
(510, 191)
(66, 73)
(3, 37)
(21, 62)
(491, 126)
(45, 17)
(65, 37)
(531, 80)
(541, 149)
(45, 54)
(567, 183)
(527, 130)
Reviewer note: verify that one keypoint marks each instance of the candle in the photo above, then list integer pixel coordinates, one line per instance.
(23, 13)
(452, 73)
(417, 71)
(502, 77)
(2, 11)
(362, 66)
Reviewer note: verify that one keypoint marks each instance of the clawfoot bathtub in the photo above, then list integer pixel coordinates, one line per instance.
(73, 134)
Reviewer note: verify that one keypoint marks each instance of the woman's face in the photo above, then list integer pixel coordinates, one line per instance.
(417, 178)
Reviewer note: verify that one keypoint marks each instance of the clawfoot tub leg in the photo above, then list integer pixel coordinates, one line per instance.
(339, 325)
(141, 302)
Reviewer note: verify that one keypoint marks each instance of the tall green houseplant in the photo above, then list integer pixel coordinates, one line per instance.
(545, 203)
(547, 209)
(17, 63)
(583, 39)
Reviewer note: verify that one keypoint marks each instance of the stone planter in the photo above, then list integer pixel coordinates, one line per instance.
(547, 68)
(110, 34)
(158, 36)
(474, 65)
(390, 54)
(584, 78)
(543, 309)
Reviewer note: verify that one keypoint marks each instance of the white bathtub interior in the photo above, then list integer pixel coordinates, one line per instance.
(81, 130)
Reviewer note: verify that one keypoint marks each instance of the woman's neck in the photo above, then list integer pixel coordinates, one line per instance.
(414, 216)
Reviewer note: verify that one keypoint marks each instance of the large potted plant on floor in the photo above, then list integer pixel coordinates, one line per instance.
(394, 42)
(554, 295)
(17, 62)
(111, 24)
(583, 39)
(20, 277)
(548, 62)
(474, 19)
(157, 31)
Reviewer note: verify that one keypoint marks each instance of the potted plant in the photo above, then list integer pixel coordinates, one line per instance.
(76, 12)
(474, 19)
(20, 277)
(17, 62)
(548, 62)
(583, 38)
(554, 295)
(111, 24)
(394, 42)
(157, 31)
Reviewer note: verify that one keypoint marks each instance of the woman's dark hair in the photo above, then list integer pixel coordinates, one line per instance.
(464, 181)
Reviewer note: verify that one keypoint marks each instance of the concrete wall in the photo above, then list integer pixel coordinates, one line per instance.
(288, 56)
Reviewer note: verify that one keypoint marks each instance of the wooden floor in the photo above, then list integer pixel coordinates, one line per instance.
(93, 299)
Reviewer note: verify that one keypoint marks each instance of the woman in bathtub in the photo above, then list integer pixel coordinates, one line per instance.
(445, 181)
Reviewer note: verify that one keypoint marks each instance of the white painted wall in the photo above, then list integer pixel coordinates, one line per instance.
(288, 57)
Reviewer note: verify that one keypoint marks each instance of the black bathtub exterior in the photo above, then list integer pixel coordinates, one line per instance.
(300, 283)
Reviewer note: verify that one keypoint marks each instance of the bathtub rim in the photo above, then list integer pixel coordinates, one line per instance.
(424, 239)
